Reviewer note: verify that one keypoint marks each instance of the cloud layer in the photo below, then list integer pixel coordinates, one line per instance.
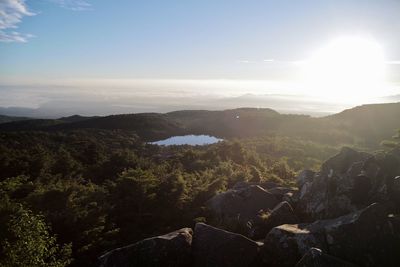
(75, 5)
(11, 14)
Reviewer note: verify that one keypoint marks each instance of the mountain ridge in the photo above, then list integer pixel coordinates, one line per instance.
(371, 123)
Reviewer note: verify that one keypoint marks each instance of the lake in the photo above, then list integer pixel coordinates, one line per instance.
(192, 140)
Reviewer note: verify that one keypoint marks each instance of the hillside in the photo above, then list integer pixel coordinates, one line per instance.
(4, 119)
(365, 125)
(372, 122)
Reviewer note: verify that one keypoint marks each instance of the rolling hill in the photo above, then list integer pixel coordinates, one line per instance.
(365, 125)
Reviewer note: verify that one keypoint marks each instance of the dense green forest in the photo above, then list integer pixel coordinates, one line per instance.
(100, 189)
(76, 187)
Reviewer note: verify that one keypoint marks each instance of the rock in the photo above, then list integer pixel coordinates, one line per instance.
(242, 185)
(338, 189)
(241, 205)
(213, 247)
(368, 237)
(341, 162)
(347, 182)
(360, 191)
(316, 258)
(286, 244)
(304, 177)
(292, 198)
(396, 184)
(281, 214)
(279, 192)
(396, 193)
(168, 250)
(265, 185)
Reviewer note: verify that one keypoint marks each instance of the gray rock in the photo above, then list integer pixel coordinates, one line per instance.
(286, 244)
(316, 258)
(281, 214)
(292, 198)
(168, 250)
(304, 177)
(213, 247)
(241, 205)
(337, 189)
(368, 237)
(280, 191)
(341, 162)
(396, 193)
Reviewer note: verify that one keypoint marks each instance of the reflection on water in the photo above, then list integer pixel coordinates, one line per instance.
(188, 140)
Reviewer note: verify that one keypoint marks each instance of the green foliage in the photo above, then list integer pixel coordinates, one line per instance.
(26, 239)
(102, 189)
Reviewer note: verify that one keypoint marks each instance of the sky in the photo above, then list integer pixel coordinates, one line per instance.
(112, 51)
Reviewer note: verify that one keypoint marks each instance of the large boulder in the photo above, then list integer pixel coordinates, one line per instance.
(341, 162)
(241, 205)
(368, 237)
(337, 189)
(316, 258)
(347, 182)
(396, 193)
(280, 192)
(170, 250)
(305, 176)
(213, 247)
(286, 244)
(281, 214)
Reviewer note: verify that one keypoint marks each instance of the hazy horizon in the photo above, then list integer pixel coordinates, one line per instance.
(60, 58)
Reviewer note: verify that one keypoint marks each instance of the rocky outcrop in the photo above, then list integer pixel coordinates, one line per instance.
(316, 258)
(347, 182)
(282, 214)
(286, 244)
(170, 250)
(368, 237)
(305, 176)
(216, 247)
(241, 205)
(280, 192)
(341, 162)
(210, 247)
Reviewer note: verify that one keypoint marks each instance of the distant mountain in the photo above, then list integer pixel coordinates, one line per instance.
(29, 125)
(4, 119)
(76, 118)
(366, 125)
(17, 112)
(372, 122)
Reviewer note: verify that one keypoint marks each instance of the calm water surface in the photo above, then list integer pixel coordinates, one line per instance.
(188, 140)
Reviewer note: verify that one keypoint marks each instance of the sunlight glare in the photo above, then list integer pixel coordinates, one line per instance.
(345, 69)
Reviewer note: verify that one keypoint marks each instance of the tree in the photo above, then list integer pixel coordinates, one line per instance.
(25, 239)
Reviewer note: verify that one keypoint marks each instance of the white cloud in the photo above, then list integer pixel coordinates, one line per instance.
(11, 14)
(75, 5)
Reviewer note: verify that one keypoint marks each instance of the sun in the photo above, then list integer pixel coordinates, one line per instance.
(346, 68)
